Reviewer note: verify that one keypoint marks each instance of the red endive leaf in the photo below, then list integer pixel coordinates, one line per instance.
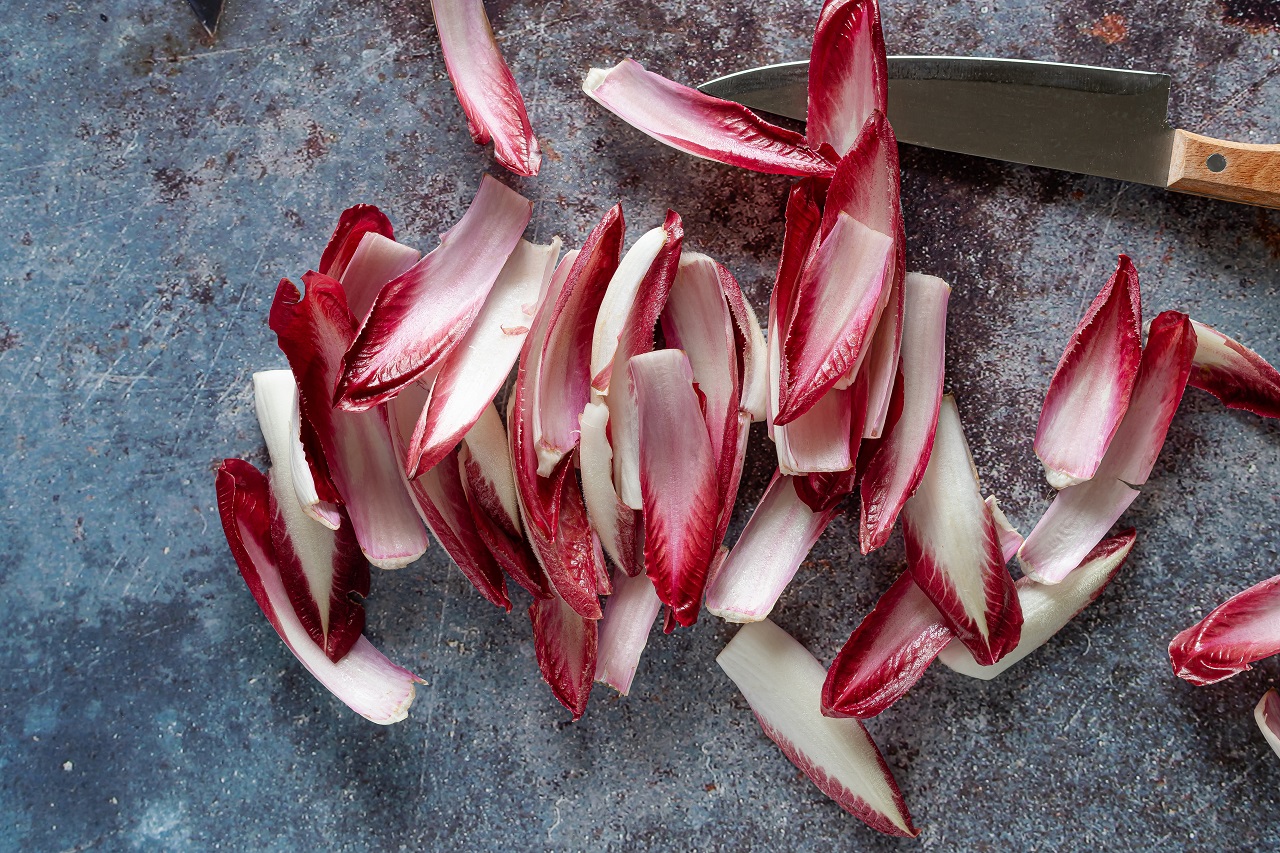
(848, 73)
(953, 549)
(630, 291)
(886, 654)
(472, 374)
(896, 465)
(353, 224)
(1073, 524)
(1242, 630)
(825, 490)
(766, 556)
(1047, 609)
(821, 439)
(839, 297)
(323, 571)
(680, 490)
(419, 317)
(624, 631)
(753, 356)
(697, 320)
(441, 498)
(364, 679)
(489, 488)
(1010, 539)
(563, 386)
(313, 332)
(539, 500)
(729, 484)
(565, 644)
(1235, 374)
(616, 523)
(1162, 377)
(782, 683)
(636, 337)
(311, 482)
(1091, 387)
(484, 85)
(572, 559)
(701, 125)
(375, 262)
(1267, 715)
(500, 534)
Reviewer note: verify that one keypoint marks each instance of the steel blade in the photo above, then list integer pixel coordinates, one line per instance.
(208, 12)
(1079, 118)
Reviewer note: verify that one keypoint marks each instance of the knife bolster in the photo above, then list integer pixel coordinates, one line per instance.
(1231, 171)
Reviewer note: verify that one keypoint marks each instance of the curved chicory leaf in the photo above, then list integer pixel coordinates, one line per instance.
(313, 332)
(353, 224)
(485, 87)
(1047, 609)
(848, 73)
(1074, 523)
(419, 317)
(680, 490)
(1091, 387)
(896, 465)
(1235, 374)
(364, 679)
(701, 125)
(1242, 630)
(953, 549)
(767, 555)
(629, 615)
(471, 375)
(886, 654)
(782, 683)
(322, 569)
(566, 647)
(376, 261)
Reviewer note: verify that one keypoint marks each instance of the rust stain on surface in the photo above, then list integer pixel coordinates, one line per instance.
(1110, 28)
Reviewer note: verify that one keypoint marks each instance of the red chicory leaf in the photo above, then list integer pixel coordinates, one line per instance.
(898, 462)
(886, 654)
(839, 297)
(1242, 630)
(848, 73)
(1162, 377)
(472, 374)
(680, 490)
(782, 683)
(565, 644)
(419, 317)
(563, 386)
(765, 558)
(629, 615)
(353, 224)
(485, 86)
(314, 331)
(364, 679)
(376, 261)
(323, 570)
(1047, 609)
(1235, 374)
(953, 549)
(616, 523)
(701, 125)
(1267, 715)
(1091, 387)
(1074, 523)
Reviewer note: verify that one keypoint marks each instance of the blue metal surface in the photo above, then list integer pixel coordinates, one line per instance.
(157, 185)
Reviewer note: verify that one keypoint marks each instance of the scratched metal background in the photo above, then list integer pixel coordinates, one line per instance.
(156, 185)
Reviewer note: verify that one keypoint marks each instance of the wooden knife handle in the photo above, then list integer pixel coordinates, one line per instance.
(1231, 171)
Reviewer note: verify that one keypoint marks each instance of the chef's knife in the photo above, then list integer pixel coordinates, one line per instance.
(208, 12)
(1096, 121)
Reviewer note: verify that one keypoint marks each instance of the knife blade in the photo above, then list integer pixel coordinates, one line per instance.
(1078, 118)
(208, 12)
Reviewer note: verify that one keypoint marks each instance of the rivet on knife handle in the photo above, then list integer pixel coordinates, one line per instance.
(1232, 171)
